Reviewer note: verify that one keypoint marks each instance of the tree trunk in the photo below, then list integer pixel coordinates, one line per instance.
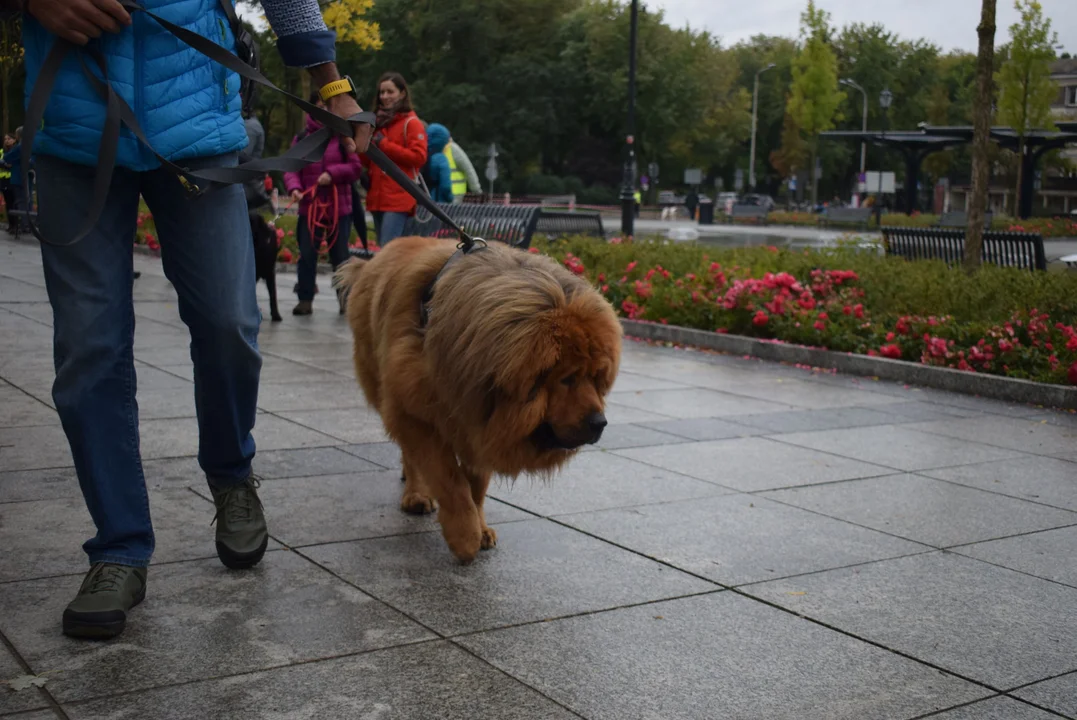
(1020, 177)
(981, 137)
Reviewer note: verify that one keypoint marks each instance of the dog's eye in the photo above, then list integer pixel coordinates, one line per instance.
(569, 380)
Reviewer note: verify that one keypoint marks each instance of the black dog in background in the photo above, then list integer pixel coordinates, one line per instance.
(265, 259)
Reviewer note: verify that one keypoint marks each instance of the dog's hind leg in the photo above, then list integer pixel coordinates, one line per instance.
(416, 498)
(479, 482)
(271, 285)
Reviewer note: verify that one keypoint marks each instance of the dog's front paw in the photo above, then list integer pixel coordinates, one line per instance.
(277, 318)
(417, 503)
(489, 538)
(465, 545)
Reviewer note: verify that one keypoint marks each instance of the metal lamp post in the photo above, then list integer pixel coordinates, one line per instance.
(864, 125)
(885, 99)
(628, 201)
(755, 114)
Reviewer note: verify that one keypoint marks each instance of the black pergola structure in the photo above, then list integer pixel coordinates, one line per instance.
(1037, 144)
(914, 145)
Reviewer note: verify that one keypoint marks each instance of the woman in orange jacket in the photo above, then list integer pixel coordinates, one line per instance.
(400, 135)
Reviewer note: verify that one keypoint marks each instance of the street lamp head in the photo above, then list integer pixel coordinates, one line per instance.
(762, 70)
(885, 99)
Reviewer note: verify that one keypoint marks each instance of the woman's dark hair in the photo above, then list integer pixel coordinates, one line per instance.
(401, 84)
(315, 97)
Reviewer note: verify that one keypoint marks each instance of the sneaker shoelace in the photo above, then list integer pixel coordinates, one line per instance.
(105, 578)
(237, 503)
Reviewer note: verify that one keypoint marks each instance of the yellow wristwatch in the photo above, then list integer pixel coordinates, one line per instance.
(337, 87)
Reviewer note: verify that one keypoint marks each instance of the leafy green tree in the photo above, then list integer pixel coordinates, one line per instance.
(815, 97)
(1025, 87)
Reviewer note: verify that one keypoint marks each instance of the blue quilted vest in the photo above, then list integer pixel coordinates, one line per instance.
(188, 105)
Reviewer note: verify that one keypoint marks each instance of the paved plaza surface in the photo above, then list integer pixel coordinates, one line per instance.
(750, 540)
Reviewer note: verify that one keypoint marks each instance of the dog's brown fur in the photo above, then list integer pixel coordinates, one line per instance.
(516, 355)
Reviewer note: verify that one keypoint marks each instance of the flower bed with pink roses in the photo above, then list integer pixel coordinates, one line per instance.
(999, 321)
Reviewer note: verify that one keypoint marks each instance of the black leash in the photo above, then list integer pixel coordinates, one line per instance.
(306, 151)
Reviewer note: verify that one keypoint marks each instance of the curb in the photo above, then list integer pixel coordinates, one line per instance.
(989, 386)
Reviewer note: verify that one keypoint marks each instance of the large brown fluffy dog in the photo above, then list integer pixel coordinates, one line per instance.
(508, 375)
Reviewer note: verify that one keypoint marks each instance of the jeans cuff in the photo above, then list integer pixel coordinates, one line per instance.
(119, 560)
(220, 482)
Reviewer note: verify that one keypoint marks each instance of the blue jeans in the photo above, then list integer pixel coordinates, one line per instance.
(207, 253)
(308, 258)
(388, 226)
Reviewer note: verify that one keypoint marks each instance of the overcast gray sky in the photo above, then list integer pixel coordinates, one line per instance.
(948, 23)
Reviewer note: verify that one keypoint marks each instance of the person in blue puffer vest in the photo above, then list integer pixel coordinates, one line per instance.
(437, 172)
(189, 108)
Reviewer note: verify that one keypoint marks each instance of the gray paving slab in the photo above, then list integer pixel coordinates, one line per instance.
(705, 428)
(310, 395)
(754, 463)
(631, 382)
(38, 715)
(1029, 436)
(597, 481)
(736, 539)
(718, 655)
(1039, 479)
(1051, 554)
(44, 537)
(429, 680)
(926, 510)
(919, 411)
(804, 394)
(1058, 694)
(987, 623)
(304, 462)
(349, 425)
(334, 508)
(23, 485)
(693, 403)
(539, 570)
(618, 414)
(385, 454)
(899, 447)
(616, 437)
(823, 419)
(179, 437)
(199, 621)
(21, 410)
(996, 708)
(11, 700)
(34, 448)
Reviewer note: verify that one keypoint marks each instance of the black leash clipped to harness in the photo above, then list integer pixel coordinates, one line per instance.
(309, 149)
(462, 249)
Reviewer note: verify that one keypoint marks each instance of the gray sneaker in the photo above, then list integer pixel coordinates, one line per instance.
(99, 611)
(241, 526)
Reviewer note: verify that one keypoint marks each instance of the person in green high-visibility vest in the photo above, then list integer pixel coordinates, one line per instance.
(464, 177)
(638, 198)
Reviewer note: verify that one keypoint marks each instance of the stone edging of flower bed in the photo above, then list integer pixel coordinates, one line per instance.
(990, 386)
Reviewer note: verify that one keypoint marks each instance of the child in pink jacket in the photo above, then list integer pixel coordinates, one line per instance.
(324, 191)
